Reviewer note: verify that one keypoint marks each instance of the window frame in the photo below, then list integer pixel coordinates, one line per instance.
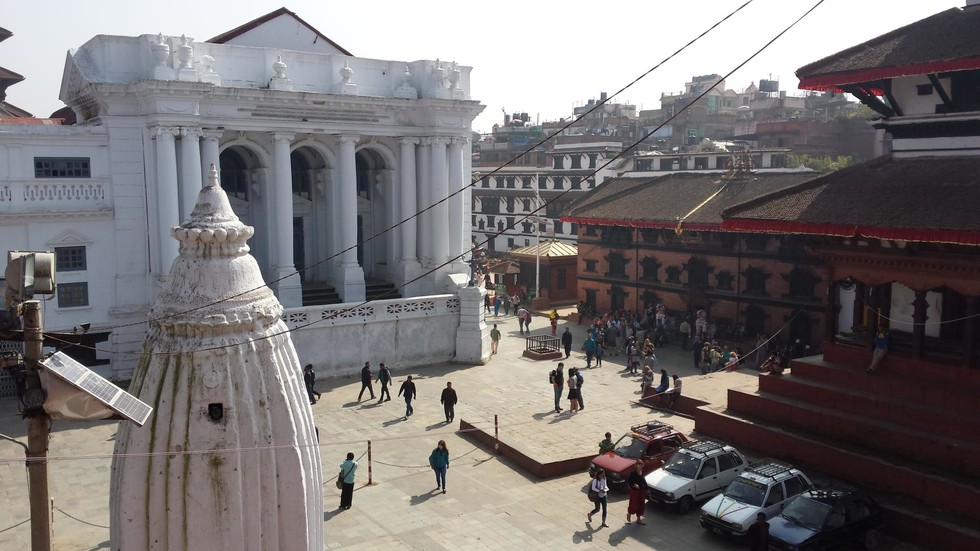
(66, 293)
(55, 170)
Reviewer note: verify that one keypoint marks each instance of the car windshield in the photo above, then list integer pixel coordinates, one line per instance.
(746, 491)
(807, 512)
(684, 465)
(627, 446)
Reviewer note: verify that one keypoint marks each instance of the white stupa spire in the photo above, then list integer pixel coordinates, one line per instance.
(229, 459)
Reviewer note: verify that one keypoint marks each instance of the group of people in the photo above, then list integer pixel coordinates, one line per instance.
(574, 385)
(635, 483)
(406, 390)
(438, 462)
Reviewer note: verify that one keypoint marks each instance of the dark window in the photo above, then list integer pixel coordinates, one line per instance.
(697, 272)
(923, 89)
(590, 231)
(590, 297)
(642, 165)
(614, 236)
(557, 182)
(722, 161)
(775, 495)
(300, 169)
(648, 235)
(560, 278)
(755, 281)
(725, 280)
(592, 159)
(70, 259)
(779, 161)
(559, 162)
(576, 161)
(756, 243)
(617, 298)
(700, 163)
(72, 295)
(726, 462)
(527, 204)
(673, 274)
(651, 269)
(794, 486)
(510, 182)
(526, 182)
(617, 265)
(510, 242)
(234, 173)
(510, 204)
(484, 182)
(491, 205)
(856, 510)
(801, 283)
(62, 167)
(542, 183)
(708, 468)
(576, 182)
(667, 164)
(573, 229)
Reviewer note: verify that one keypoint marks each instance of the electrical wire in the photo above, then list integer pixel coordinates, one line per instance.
(472, 184)
(509, 226)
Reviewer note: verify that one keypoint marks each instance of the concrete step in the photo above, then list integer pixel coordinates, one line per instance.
(915, 413)
(922, 388)
(320, 295)
(380, 291)
(939, 496)
(904, 367)
(928, 447)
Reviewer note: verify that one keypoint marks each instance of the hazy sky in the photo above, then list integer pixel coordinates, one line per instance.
(542, 57)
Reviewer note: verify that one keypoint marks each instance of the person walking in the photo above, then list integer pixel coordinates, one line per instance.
(497, 303)
(758, 535)
(557, 379)
(696, 349)
(439, 461)
(494, 339)
(599, 488)
(685, 333)
(637, 488)
(506, 304)
(384, 377)
(573, 394)
(600, 352)
(408, 389)
(309, 378)
(347, 470)
(589, 348)
(631, 356)
(522, 314)
(553, 317)
(566, 342)
(486, 303)
(366, 381)
(579, 380)
(449, 400)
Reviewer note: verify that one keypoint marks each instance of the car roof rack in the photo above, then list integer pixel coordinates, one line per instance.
(651, 428)
(703, 446)
(769, 467)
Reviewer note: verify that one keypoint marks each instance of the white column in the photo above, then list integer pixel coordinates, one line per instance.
(209, 152)
(457, 223)
(190, 169)
(424, 185)
(440, 192)
(288, 286)
(351, 284)
(406, 174)
(168, 209)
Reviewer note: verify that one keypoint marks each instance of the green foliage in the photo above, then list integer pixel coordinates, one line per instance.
(822, 163)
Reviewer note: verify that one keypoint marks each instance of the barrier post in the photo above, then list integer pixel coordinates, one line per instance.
(370, 476)
(496, 434)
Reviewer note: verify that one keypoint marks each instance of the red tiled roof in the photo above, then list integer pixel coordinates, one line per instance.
(929, 199)
(242, 29)
(946, 41)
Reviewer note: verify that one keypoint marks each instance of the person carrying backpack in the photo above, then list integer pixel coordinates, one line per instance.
(557, 380)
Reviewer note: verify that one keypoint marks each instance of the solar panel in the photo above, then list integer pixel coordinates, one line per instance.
(93, 384)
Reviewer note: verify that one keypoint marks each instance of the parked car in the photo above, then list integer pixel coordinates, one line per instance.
(699, 470)
(653, 443)
(827, 519)
(766, 487)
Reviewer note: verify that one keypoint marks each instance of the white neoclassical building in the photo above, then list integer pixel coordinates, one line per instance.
(329, 156)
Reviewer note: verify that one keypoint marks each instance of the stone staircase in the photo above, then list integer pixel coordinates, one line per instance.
(380, 290)
(318, 294)
(910, 430)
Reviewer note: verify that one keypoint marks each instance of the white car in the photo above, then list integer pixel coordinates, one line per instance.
(765, 487)
(699, 470)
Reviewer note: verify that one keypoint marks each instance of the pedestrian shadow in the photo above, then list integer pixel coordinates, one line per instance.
(439, 425)
(542, 415)
(422, 498)
(327, 515)
(561, 417)
(372, 405)
(394, 422)
(580, 536)
(352, 404)
(619, 535)
(104, 545)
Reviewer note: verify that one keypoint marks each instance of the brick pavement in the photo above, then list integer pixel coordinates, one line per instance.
(489, 504)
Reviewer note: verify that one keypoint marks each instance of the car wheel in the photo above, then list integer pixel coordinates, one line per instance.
(872, 539)
(684, 505)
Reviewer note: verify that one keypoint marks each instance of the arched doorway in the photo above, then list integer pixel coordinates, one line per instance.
(373, 216)
(313, 231)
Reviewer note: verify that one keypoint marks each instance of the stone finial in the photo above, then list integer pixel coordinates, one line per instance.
(185, 52)
(280, 68)
(161, 50)
(345, 73)
(407, 76)
(437, 75)
(454, 76)
(207, 62)
(213, 176)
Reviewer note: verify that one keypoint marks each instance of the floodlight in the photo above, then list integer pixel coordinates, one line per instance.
(27, 274)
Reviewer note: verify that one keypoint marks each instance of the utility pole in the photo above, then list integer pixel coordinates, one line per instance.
(38, 429)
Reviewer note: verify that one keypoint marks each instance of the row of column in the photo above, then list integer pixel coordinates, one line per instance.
(430, 170)
(173, 206)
